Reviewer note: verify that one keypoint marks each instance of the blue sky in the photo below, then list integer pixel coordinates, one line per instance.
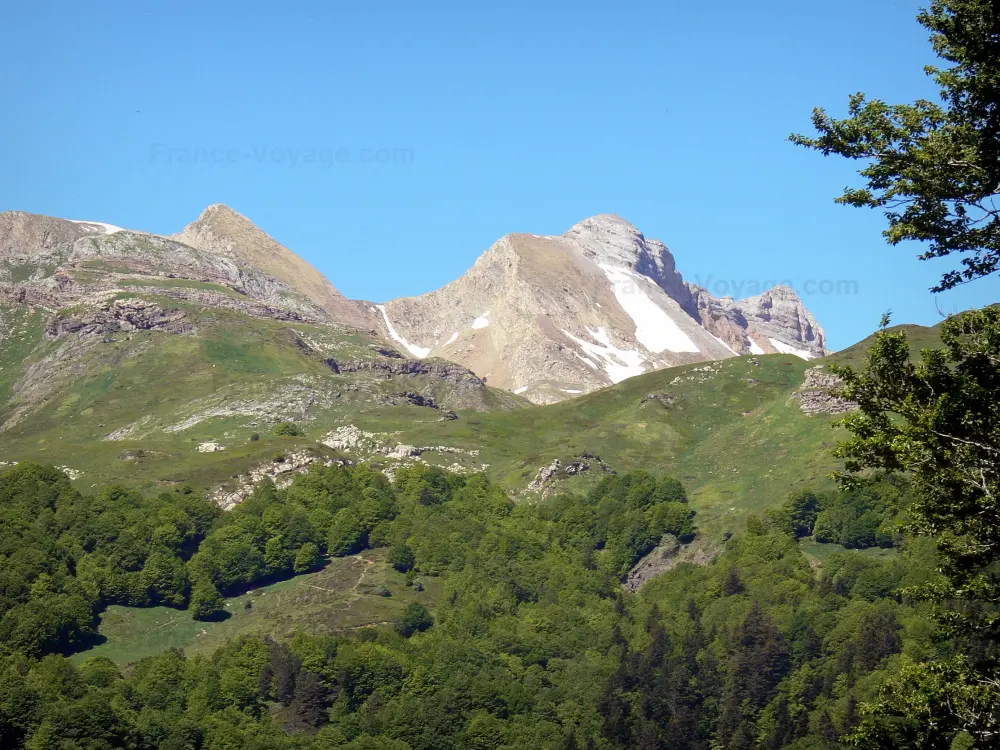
(390, 143)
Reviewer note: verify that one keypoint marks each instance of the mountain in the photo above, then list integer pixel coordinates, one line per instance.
(159, 358)
(554, 317)
(222, 231)
(124, 352)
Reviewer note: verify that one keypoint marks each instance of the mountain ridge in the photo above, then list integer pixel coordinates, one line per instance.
(549, 317)
(555, 316)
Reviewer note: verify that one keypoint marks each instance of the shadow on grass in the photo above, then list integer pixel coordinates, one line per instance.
(220, 616)
(86, 643)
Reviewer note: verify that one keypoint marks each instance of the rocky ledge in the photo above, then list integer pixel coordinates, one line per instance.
(445, 370)
(818, 394)
(120, 315)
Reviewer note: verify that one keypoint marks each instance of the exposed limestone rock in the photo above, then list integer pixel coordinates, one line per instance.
(281, 472)
(220, 231)
(751, 325)
(544, 476)
(73, 474)
(126, 432)
(698, 374)
(120, 315)
(817, 394)
(662, 398)
(667, 554)
(403, 451)
(210, 447)
(351, 438)
(453, 373)
(249, 307)
(24, 235)
(658, 561)
(65, 262)
(551, 317)
(547, 475)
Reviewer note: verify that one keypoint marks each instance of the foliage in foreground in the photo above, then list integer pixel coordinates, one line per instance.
(938, 421)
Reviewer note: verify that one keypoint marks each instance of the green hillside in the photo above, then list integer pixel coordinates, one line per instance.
(134, 407)
(728, 429)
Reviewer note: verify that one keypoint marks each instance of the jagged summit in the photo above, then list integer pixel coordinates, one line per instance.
(224, 220)
(604, 224)
(551, 317)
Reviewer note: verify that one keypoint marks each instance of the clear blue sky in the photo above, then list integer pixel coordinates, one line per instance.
(519, 116)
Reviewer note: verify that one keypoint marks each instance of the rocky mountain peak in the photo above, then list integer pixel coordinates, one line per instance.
(784, 311)
(603, 225)
(551, 317)
(221, 219)
(610, 240)
(29, 235)
(222, 230)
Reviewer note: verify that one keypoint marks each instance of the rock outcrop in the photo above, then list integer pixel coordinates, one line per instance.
(547, 475)
(818, 393)
(120, 315)
(775, 322)
(666, 555)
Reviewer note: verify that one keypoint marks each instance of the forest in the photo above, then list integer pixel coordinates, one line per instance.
(535, 643)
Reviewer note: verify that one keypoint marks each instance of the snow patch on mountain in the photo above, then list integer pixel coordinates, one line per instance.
(417, 351)
(784, 348)
(94, 226)
(723, 343)
(619, 364)
(482, 321)
(654, 328)
(755, 348)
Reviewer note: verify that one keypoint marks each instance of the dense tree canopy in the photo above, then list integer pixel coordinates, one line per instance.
(938, 421)
(535, 642)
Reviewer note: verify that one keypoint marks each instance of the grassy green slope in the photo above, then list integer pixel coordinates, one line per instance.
(343, 596)
(732, 434)
(21, 330)
(152, 381)
(920, 337)
(730, 430)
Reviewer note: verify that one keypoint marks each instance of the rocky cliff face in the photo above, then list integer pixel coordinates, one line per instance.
(552, 317)
(775, 322)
